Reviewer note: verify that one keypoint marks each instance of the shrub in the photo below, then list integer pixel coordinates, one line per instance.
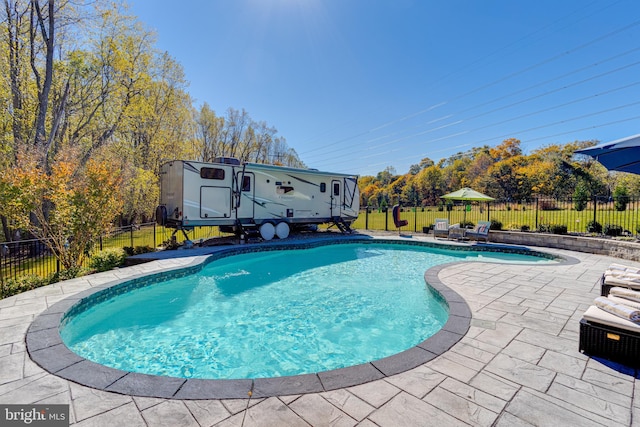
(107, 259)
(466, 224)
(620, 198)
(513, 226)
(544, 228)
(524, 228)
(22, 284)
(558, 229)
(70, 273)
(612, 230)
(137, 250)
(581, 196)
(594, 227)
(495, 225)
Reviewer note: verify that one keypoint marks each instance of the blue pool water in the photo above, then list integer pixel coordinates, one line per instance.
(268, 314)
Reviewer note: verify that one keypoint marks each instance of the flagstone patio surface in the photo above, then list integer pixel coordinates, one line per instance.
(518, 364)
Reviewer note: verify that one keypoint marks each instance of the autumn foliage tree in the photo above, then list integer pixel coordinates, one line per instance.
(68, 208)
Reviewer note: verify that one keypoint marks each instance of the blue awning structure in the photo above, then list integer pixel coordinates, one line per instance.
(621, 155)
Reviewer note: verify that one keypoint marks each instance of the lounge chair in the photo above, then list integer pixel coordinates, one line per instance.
(629, 281)
(399, 223)
(441, 228)
(612, 336)
(479, 232)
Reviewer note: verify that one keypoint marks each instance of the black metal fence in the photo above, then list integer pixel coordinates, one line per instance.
(32, 257)
(597, 216)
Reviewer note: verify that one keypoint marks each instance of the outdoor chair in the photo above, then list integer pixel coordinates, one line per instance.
(441, 228)
(479, 232)
(399, 223)
(629, 281)
(621, 276)
(609, 329)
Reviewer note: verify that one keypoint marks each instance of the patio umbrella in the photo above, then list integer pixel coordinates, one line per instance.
(467, 194)
(622, 155)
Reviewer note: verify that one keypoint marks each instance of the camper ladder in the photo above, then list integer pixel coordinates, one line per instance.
(247, 229)
(342, 226)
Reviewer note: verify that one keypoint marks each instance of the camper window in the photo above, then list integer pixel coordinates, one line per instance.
(246, 183)
(283, 189)
(211, 173)
(336, 189)
(323, 187)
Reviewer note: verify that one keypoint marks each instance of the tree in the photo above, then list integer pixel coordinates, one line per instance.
(620, 198)
(581, 196)
(72, 208)
(507, 149)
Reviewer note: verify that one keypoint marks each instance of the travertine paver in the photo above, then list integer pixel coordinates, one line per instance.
(517, 365)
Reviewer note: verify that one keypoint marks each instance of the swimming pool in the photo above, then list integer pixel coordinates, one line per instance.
(342, 305)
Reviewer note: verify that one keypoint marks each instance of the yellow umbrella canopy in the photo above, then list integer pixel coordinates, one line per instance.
(467, 193)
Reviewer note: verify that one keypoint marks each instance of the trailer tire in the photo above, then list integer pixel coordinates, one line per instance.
(267, 231)
(161, 215)
(282, 230)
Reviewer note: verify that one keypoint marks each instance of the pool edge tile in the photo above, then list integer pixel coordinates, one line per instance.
(195, 389)
(136, 384)
(350, 376)
(280, 386)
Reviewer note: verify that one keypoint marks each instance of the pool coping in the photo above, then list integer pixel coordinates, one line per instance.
(46, 348)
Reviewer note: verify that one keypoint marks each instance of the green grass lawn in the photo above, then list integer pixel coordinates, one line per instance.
(513, 218)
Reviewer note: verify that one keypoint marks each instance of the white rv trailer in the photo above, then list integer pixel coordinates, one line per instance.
(254, 197)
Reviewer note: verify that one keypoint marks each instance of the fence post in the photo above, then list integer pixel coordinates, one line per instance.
(415, 218)
(154, 236)
(101, 242)
(131, 235)
(386, 219)
(537, 213)
(366, 217)
(595, 208)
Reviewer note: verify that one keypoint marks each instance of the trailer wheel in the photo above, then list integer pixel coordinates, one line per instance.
(282, 230)
(267, 231)
(161, 215)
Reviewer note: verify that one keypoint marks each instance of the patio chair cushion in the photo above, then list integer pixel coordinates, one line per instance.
(621, 270)
(597, 315)
(480, 231)
(627, 294)
(620, 310)
(441, 227)
(609, 282)
(619, 300)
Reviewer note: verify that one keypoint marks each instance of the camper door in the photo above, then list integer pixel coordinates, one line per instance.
(336, 197)
(245, 204)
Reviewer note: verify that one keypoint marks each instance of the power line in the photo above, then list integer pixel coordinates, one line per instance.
(604, 74)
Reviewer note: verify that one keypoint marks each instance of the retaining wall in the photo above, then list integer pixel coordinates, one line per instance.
(594, 245)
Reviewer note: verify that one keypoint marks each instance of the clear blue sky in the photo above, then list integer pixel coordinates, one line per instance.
(359, 85)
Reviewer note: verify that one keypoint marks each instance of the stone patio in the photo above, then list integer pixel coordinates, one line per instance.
(518, 365)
